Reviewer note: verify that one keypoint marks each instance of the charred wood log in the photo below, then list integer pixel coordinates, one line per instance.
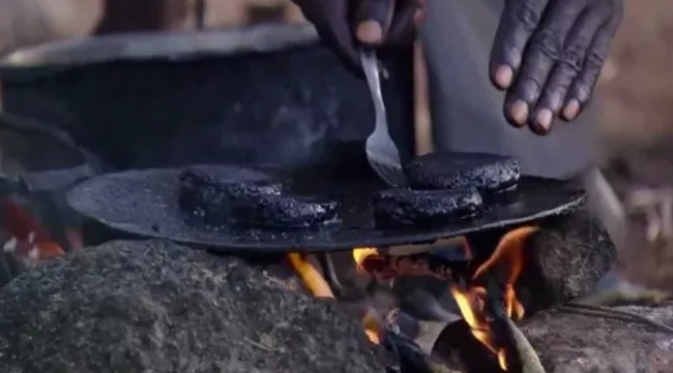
(386, 267)
(401, 338)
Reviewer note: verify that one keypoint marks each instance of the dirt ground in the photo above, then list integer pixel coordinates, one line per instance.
(637, 94)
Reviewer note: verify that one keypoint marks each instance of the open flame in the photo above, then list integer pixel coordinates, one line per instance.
(316, 284)
(28, 240)
(509, 255)
(362, 253)
(471, 305)
(372, 325)
(310, 275)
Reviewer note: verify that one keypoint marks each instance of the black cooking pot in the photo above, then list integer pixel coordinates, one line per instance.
(266, 95)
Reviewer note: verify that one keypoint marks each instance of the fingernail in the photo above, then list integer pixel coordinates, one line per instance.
(503, 76)
(519, 112)
(571, 110)
(544, 118)
(369, 32)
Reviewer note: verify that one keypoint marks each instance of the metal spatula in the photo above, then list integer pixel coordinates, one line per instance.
(382, 153)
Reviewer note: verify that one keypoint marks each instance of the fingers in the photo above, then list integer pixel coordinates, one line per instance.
(570, 64)
(549, 61)
(388, 23)
(519, 20)
(345, 25)
(332, 20)
(584, 84)
(339, 38)
(545, 48)
(372, 20)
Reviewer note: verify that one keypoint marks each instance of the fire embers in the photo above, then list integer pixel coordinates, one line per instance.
(27, 239)
(27, 242)
(384, 268)
(484, 292)
(467, 285)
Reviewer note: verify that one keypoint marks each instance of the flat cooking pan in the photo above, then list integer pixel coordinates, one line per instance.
(144, 202)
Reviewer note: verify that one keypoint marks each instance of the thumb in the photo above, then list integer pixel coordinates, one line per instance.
(372, 21)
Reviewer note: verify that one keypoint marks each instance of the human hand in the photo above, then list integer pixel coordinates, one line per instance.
(346, 25)
(548, 55)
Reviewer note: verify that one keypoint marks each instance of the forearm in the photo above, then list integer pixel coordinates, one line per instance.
(29, 22)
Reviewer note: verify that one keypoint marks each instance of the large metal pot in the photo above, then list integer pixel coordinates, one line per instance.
(268, 95)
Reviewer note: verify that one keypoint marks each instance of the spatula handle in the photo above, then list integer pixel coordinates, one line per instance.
(370, 66)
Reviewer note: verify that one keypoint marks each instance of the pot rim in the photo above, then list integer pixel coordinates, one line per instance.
(174, 46)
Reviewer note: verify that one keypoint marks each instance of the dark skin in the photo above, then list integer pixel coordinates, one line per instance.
(547, 54)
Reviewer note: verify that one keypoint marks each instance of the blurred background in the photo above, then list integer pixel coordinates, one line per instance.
(635, 92)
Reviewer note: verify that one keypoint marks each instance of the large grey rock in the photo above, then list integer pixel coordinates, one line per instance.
(576, 343)
(564, 260)
(151, 306)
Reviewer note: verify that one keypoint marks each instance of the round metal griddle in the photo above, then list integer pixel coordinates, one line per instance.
(144, 202)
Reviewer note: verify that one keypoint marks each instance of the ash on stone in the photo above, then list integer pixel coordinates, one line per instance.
(151, 306)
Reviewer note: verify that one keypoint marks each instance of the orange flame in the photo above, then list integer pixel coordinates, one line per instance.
(318, 286)
(28, 239)
(509, 254)
(471, 305)
(310, 276)
(372, 325)
(362, 253)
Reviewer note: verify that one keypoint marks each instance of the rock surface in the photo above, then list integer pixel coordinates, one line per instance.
(575, 343)
(151, 306)
(565, 260)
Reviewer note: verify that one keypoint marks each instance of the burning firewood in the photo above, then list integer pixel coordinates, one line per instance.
(307, 270)
(386, 267)
(559, 260)
(507, 260)
(530, 362)
(26, 241)
(413, 357)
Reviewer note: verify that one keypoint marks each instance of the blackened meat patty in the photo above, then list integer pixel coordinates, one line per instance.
(486, 172)
(284, 211)
(396, 207)
(209, 193)
(250, 199)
